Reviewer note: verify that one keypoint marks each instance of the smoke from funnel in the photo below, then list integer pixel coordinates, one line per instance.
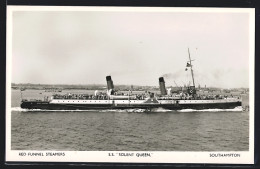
(162, 86)
(110, 84)
(169, 91)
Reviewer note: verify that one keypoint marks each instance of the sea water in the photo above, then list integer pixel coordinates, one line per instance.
(127, 130)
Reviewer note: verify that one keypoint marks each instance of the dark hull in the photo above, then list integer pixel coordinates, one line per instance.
(48, 106)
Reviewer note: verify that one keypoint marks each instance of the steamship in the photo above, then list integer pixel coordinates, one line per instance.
(113, 99)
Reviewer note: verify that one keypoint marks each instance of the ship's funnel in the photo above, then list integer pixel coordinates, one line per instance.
(110, 84)
(162, 86)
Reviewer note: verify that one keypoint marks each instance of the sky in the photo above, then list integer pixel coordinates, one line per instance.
(135, 48)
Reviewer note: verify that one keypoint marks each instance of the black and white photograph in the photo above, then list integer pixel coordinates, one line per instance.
(130, 84)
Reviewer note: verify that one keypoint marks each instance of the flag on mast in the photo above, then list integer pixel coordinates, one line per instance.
(188, 64)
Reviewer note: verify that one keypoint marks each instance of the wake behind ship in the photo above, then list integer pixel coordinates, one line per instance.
(113, 99)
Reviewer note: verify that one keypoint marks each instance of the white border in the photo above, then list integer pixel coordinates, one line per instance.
(246, 157)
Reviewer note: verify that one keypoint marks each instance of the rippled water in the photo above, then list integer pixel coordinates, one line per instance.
(128, 130)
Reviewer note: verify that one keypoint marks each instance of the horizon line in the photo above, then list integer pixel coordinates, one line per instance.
(202, 87)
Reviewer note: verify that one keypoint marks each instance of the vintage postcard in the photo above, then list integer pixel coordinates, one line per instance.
(130, 84)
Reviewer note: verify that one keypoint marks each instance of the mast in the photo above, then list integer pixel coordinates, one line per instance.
(191, 68)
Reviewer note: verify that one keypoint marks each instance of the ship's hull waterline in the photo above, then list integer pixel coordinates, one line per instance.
(181, 104)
